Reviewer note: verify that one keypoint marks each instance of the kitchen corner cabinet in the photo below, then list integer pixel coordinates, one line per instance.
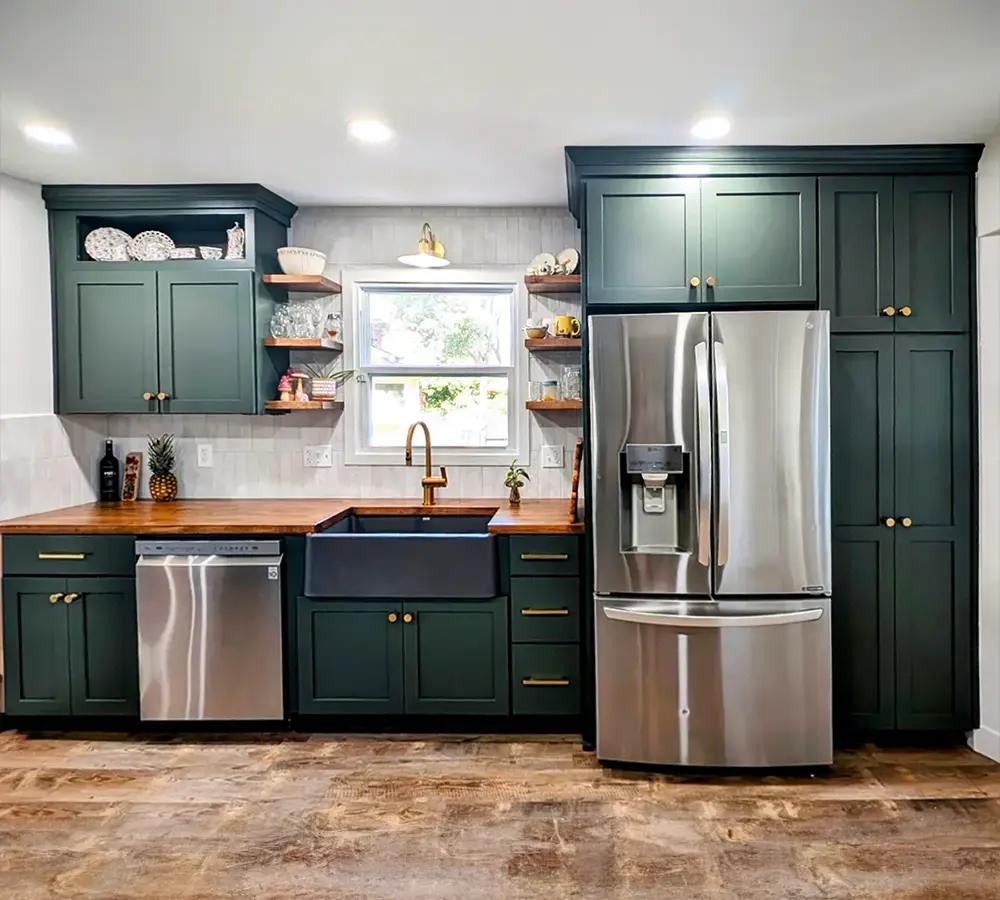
(902, 495)
(75, 658)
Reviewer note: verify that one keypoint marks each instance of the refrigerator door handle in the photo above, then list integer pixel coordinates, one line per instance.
(722, 418)
(647, 617)
(704, 453)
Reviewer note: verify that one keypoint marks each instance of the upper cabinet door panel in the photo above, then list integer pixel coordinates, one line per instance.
(642, 241)
(933, 254)
(759, 240)
(106, 336)
(207, 348)
(855, 252)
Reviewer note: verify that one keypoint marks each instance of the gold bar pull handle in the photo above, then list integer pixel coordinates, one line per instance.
(62, 555)
(545, 682)
(545, 612)
(544, 557)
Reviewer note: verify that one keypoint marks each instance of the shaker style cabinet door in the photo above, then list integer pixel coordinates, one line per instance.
(862, 491)
(207, 351)
(758, 240)
(855, 253)
(106, 341)
(643, 241)
(933, 475)
(933, 253)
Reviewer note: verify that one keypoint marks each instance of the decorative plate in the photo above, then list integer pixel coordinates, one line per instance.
(107, 245)
(151, 246)
(543, 264)
(570, 259)
(184, 253)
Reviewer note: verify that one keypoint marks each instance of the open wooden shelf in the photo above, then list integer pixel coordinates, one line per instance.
(290, 405)
(553, 343)
(313, 284)
(553, 405)
(305, 343)
(553, 284)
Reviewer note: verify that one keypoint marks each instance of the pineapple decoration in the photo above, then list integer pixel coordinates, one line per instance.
(162, 459)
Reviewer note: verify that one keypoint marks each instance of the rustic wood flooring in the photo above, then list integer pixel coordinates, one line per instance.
(366, 819)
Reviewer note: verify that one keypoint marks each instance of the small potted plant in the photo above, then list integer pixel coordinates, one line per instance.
(516, 476)
(162, 459)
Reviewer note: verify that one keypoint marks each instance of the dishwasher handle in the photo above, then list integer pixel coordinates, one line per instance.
(679, 620)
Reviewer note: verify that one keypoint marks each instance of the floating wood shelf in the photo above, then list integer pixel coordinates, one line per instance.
(305, 343)
(290, 405)
(553, 405)
(313, 284)
(552, 284)
(553, 343)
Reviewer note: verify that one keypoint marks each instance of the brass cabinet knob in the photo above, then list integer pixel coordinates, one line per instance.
(906, 521)
(69, 598)
(695, 281)
(55, 598)
(162, 396)
(407, 618)
(710, 281)
(889, 522)
(393, 617)
(147, 396)
(905, 311)
(888, 310)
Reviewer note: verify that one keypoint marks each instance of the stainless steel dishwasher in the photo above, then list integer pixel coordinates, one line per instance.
(210, 642)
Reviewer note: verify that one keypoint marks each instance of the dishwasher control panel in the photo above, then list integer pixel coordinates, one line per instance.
(207, 548)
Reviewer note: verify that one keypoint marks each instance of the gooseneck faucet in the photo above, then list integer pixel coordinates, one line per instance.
(428, 482)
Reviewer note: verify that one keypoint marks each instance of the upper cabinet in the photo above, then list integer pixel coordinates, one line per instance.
(170, 336)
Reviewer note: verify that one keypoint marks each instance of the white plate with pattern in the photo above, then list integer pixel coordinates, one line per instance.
(151, 246)
(107, 245)
(569, 258)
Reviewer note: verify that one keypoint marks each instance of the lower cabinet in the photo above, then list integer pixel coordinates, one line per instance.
(70, 646)
(394, 656)
(546, 679)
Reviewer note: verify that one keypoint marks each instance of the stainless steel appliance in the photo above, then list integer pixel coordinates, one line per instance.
(209, 630)
(710, 502)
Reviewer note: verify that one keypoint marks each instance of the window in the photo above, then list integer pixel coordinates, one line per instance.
(437, 348)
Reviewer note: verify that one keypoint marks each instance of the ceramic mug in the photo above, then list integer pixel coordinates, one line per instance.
(567, 326)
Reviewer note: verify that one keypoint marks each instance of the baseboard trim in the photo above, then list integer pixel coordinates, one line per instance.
(986, 741)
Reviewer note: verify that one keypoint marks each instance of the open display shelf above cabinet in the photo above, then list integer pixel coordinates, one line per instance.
(553, 405)
(553, 343)
(311, 284)
(293, 343)
(553, 284)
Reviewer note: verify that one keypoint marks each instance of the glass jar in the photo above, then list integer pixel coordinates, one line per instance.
(535, 391)
(550, 391)
(570, 384)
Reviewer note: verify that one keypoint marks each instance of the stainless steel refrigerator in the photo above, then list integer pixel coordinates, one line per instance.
(710, 514)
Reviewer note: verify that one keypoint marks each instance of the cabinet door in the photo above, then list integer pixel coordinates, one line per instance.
(36, 647)
(207, 353)
(103, 647)
(455, 655)
(933, 255)
(106, 339)
(350, 656)
(855, 252)
(861, 402)
(758, 240)
(933, 474)
(643, 241)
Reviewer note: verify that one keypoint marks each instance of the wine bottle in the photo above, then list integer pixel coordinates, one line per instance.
(110, 475)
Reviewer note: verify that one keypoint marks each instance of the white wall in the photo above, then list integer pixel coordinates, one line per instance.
(987, 738)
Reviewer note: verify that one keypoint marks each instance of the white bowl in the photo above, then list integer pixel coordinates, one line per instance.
(301, 261)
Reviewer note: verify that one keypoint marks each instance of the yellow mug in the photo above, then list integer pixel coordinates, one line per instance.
(567, 326)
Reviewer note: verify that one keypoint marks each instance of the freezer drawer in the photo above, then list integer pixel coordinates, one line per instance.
(714, 683)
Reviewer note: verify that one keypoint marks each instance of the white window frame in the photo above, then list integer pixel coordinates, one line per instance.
(355, 281)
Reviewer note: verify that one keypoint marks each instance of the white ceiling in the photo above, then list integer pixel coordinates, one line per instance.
(483, 95)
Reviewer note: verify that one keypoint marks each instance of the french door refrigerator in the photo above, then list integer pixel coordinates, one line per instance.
(710, 496)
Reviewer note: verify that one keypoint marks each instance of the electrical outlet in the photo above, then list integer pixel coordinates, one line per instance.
(204, 456)
(552, 457)
(318, 457)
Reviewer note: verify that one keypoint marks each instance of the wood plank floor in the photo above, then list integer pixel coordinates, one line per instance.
(366, 819)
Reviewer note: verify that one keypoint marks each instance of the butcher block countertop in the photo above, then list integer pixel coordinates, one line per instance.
(281, 516)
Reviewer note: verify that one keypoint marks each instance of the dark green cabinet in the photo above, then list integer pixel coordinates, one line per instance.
(71, 646)
(207, 348)
(901, 488)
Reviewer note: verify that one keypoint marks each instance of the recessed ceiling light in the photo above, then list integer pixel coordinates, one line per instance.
(45, 134)
(369, 131)
(710, 127)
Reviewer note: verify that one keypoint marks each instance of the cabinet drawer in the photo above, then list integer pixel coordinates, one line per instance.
(544, 554)
(68, 554)
(546, 679)
(545, 610)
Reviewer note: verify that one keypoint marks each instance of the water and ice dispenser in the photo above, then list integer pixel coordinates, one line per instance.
(655, 492)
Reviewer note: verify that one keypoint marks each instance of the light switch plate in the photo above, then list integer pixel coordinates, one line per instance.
(318, 457)
(552, 457)
(204, 456)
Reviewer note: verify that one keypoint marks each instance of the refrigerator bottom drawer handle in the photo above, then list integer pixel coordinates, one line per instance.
(642, 617)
